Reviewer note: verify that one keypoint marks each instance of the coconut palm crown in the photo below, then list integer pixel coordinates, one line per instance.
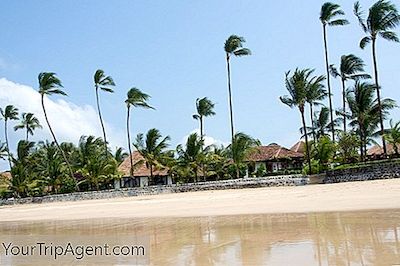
(28, 122)
(10, 112)
(204, 108)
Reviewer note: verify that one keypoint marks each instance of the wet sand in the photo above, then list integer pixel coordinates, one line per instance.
(370, 195)
(339, 238)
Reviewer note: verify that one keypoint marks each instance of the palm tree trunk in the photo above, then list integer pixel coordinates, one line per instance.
(306, 138)
(27, 134)
(312, 121)
(344, 104)
(378, 94)
(328, 80)
(230, 95)
(8, 147)
(151, 172)
(101, 121)
(129, 139)
(201, 128)
(55, 139)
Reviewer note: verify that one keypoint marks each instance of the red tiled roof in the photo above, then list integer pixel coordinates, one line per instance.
(6, 175)
(299, 147)
(272, 152)
(378, 150)
(140, 168)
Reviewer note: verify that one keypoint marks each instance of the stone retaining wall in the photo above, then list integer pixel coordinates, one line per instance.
(372, 172)
(295, 180)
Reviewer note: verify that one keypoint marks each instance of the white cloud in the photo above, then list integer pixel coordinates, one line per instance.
(68, 120)
(207, 139)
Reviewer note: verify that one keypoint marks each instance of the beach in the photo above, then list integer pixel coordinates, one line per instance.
(352, 196)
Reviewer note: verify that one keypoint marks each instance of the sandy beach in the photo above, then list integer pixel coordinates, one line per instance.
(382, 194)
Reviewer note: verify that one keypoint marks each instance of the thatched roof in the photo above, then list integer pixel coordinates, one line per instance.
(377, 150)
(272, 152)
(140, 168)
(299, 147)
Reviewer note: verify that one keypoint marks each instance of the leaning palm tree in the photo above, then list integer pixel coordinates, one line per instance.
(50, 84)
(9, 113)
(152, 148)
(28, 122)
(329, 17)
(204, 108)
(105, 83)
(383, 17)
(315, 93)
(233, 47)
(351, 67)
(135, 98)
(297, 85)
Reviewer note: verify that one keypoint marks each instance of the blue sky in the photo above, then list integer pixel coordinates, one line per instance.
(173, 50)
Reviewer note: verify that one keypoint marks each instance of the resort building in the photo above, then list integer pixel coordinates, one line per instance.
(275, 159)
(141, 174)
(376, 151)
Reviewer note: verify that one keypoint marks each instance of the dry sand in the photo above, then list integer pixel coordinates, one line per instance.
(382, 194)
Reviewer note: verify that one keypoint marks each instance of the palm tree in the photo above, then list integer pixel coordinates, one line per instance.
(120, 155)
(50, 84)
(192, 154)
(135, 98)
(3, 151)
(314, 94)
(351, 67)
(297, 86)
(240, 148)
(233, 47)
(365, 111)
(322, 125)
(152, 148)
(105, 83)
(204, 108)
(382, 18)
(328, 17)
(30, 122)
(9, 113)
(392, 135)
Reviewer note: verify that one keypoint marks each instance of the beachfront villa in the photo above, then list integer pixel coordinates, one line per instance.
(275, 158)
(376, 151)
(141, 174)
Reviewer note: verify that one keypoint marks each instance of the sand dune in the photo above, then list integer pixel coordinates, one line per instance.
(382, 194)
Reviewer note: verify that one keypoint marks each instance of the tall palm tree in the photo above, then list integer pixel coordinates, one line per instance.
(329, 17)
(297, 85)
(50, 84)
(365, 111)
(10, 112)
(135, 98)
(240, 148)
(233, 47)
(104, 83)
(383, 17)
(204, 108)
(315, 93)
(322, 125)
(152, 148)
(29, 122)
(351, 67)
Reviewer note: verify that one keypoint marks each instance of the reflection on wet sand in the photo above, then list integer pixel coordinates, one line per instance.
(348, 238)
